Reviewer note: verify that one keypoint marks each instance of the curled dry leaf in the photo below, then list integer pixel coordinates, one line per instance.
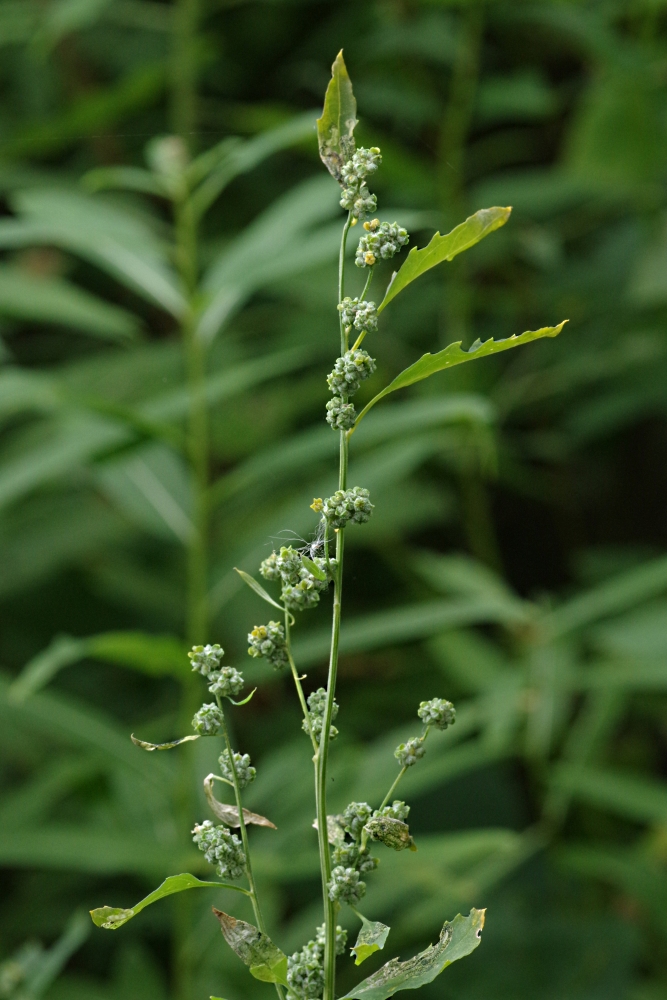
(230, 814)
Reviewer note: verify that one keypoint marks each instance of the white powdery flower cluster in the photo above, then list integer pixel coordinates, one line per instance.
(356, 197)
(300, 588)
(221, 848)
(381, 242)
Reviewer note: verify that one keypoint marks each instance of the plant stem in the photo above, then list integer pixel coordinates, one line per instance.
(393, 788)
(297, 682)
(196, 623)
(184, 67)
(244, 833)
(322, 757)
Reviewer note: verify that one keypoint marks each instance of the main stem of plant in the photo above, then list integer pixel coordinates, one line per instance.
(322, 757)
(196, 623)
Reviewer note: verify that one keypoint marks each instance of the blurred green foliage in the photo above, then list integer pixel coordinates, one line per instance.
(514, 563)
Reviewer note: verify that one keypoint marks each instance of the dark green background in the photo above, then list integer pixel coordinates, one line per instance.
(547, 802)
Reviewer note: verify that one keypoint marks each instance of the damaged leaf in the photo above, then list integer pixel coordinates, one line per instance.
(162, 746)
(230, 814)
(113, 917)
(371, 938)
(335, 129)
(457, 939)
(256, 950)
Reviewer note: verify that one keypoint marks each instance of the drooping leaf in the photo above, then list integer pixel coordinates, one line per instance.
(257, 587)
(464, 236)
(162, 746)
(457, 939)
(371, 938)
(256, 950)
(452, 355)
(230, 814)
(113, 917)
(335, 129)
(244, 701)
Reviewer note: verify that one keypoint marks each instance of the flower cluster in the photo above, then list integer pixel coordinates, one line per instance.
(344, 506)
(305, 968)
(350, 855)
(317, 704)
(269, 641)
(340, 415)
(245, 773)
(226, 682)
(363, 316)
(208, 720)
(221, 848)
(356, 197)
(345, 886)
(382, 241)
(437, 712)
(355, 817)
(350, 371)
(410, 752)
(397, 810)
(206, 659)
(300, 589)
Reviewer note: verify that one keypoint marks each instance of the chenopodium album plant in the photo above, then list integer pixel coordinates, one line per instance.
(346, 841)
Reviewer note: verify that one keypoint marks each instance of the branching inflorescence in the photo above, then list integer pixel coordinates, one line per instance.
(303, 576)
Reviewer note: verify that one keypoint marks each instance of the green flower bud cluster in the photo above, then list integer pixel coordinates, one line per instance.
(300, 590)
(410, 752)
(397, 810)
(437, 712)
(305, 968)
(355, 817)
(356, 197)
(347, 505)
(363, 316)
(340, 415)
(350, 371)
(245, 774)
(382, 240)
(208, 720)
(221, 848)
(269, 641)
(226, 682)
(205, 659)
(353, 856)
(317, 704)
(345, 886)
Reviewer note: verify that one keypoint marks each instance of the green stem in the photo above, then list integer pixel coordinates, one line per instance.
(244, 833)
(341, 280)
(393, 787)
(322, 756)
(196, 623)
(297, 681)
(184, 67)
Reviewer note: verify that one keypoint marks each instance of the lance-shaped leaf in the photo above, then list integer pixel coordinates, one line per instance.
(371, 938)
(256, 950)
(453, 355)
(457, 939)
(335, 129)
(162, 746)
(230, 814)
(113, 917)
(313, 568)
(257, 587)
(446, 247)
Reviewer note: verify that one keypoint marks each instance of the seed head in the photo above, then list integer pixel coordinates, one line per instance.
(206, 658)
(269, 641)
(208, 720)
(410, 752)
(437, 712)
